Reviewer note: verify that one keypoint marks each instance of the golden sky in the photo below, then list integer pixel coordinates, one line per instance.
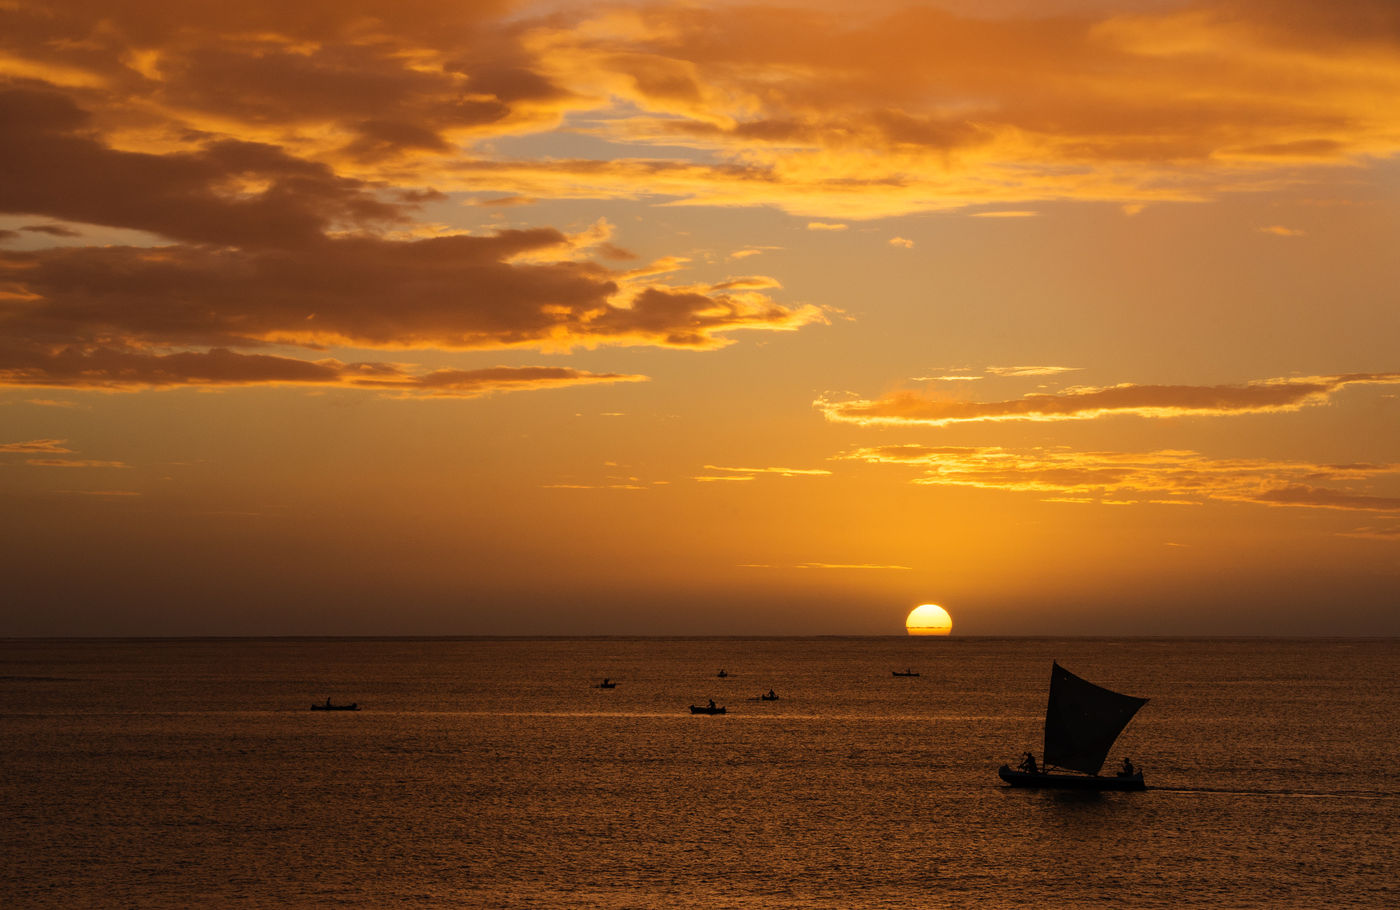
(478, 317)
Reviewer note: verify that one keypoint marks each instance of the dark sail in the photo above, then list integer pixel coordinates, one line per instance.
(1082, 720)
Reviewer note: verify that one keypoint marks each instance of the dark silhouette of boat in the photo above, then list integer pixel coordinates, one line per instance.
(327, 706)
(606, 684)
(723, 674)
(905, 673)
(707, 709)
(1082, 721)
(770, 695)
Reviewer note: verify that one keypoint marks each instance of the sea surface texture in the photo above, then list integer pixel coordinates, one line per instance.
(493, 774)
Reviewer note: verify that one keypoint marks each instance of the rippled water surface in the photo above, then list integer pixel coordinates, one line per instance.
(491, 773)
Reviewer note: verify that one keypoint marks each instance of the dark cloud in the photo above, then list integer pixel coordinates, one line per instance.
(226, 192)
(126, 369)
(53, 230)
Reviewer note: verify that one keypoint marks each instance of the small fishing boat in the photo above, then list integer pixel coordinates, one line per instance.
(606, 684)
(706, 709)
(327, 706)
(1082, 721)
(769, 696)
(723, 674)
(905, 673)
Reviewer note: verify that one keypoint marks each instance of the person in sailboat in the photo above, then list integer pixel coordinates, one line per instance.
(1028, 764)
(1128, 770)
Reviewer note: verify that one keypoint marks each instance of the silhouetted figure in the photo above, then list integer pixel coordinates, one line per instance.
(772, 694)
(1028, 764)
(723, 673)
(712, 703)
(1128, 769)
(328, 701)
(605, 680)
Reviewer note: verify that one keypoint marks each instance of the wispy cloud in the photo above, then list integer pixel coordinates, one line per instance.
(36, 446)
(826, 226)
(1125, 477)
(73, 463)
(1152, 401)
(1030, 371)
(826, 565)
(1281, 231)
(781, 472)
(903, 242)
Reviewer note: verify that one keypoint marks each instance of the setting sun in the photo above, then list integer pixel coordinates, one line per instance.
(929, 619)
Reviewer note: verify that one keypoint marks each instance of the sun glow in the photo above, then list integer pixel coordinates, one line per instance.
(929, 619)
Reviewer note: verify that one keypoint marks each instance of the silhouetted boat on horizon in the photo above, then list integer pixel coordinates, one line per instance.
(327, 706)
(905, 673)
(606, 684)
(1082, 721)
(706, 709)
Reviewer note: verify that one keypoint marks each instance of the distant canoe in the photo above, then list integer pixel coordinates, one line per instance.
(606, 685)
(1070, 781)
(723, 674)
(705, 709)
(327, 706)
(905, 673)
(768, 698)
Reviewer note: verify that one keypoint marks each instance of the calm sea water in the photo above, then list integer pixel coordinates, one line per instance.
(489, 773)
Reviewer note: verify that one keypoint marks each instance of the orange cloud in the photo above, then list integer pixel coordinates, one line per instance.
(903, 108)
(749, 473)
(1273, 395)
(1119, 477)
(73, 463)
(36, 446)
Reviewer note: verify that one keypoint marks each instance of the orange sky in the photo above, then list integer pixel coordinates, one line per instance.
(482, 317)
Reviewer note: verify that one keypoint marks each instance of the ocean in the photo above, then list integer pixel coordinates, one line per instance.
(492, 773)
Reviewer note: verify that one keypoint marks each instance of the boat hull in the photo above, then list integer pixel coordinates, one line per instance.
(1070, 781)
(350, 707)
(702, 709)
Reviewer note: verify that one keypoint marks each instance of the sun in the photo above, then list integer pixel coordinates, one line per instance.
(929, 619)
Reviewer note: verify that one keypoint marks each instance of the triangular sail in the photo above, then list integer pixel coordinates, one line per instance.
(1082, 720)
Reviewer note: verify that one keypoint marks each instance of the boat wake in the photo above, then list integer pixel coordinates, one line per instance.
(1299, 794)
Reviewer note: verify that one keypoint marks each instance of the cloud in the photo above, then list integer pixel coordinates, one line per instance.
(904, 242)
(1154, 401)
(1030, 371)
(270, 248)
(120, 369)
(1279, 230)
(825, 226)
(53, 230)
(782, 472)
(1015, 213)
(826, 565)
(73, 463)
(1117, 478)
(33, 446)
(903, 108)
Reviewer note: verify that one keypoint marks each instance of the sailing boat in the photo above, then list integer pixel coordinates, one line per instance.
(1082, 721)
